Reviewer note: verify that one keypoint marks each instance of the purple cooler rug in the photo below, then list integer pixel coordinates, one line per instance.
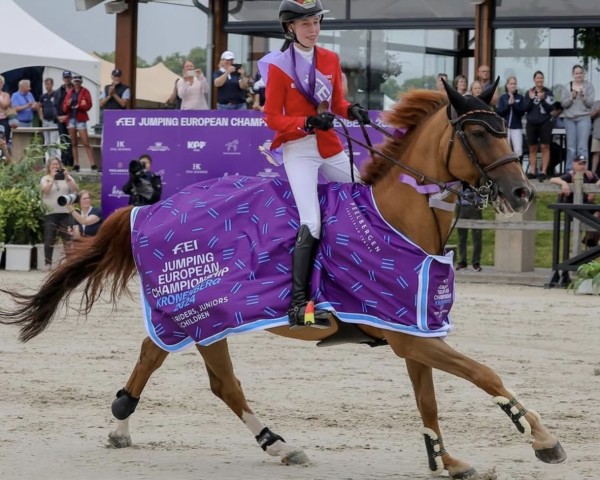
(215, 259)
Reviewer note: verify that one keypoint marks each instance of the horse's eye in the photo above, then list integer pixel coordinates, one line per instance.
(478, 133)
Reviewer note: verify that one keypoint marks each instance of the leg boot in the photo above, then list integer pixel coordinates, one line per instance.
(302, 312)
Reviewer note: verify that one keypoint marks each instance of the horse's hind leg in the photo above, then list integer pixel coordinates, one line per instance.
(228, 388)
(150, 359)
(436, 353)
(421, 377)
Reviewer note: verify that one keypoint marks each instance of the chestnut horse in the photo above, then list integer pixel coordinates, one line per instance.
(412, 182)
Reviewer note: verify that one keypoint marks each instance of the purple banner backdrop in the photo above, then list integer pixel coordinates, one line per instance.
(192, 146)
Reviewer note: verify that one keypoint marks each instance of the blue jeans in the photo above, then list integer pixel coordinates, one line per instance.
(577, 131)
(232, 106)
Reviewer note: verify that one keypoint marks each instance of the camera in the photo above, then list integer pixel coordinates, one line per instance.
(136, 169)
(189, 73)
(68, 199)
(237, 67)
(59, 175)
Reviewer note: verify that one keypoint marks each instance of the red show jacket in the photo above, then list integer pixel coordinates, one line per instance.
(286, 108)
(81, 112)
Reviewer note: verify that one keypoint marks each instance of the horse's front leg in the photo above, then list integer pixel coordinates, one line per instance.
(439, 459)
(228, 388)
(436, 353)
(150, 359)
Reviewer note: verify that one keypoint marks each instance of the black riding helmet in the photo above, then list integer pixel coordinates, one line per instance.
(290, 10)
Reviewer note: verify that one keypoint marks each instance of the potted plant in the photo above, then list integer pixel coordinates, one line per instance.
(588, 278)
(21, 208)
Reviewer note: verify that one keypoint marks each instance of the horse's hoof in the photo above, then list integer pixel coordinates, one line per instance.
(119, 441)
(470, 473)
(555, 454)
(297, 457)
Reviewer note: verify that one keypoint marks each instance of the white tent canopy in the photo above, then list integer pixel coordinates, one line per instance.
(25, 42)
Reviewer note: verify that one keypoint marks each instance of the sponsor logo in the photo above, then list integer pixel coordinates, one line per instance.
(125, 122)
(196, 168)
(120, 146)
(195, 145)
(117, 193)
(158, 147)
(268, 173)
(231, 148)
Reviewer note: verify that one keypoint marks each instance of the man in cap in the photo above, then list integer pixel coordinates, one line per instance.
(63, 118)
(232, 84)
(116, 95)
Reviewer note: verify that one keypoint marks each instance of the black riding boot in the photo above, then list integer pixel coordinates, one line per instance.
(302, 265)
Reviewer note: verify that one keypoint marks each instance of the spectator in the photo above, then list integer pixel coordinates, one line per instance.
(63, 119)
(48, 111)
(471, 212)
(476, 88)
(144, 187)
(78, 102)
(57, 221)
(116, 95)
(232, 84)
(557, 150)
(511, 109)
(538, 104)
(5, 157)
(564, 182)
(258, 89)
(595, 115)
(577, 99)
(309, 145)
(88, 218)
(438, 82)
(4, 106)
(461, 85)
(193, 88)
(24, 104)
(484, 76)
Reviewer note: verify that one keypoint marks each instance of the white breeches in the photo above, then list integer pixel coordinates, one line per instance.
(516, 140)
(303, 164)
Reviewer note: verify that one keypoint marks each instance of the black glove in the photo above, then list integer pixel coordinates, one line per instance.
(358, 112)
(322, 121)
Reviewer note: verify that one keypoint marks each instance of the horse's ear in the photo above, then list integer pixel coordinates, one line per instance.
(488, 93)
(456, 99)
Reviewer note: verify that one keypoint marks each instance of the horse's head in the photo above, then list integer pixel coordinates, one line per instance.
(486, 161)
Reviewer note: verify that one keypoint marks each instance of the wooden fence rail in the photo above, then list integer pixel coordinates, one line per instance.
(514, 249)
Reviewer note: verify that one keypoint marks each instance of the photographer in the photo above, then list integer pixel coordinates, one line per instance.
(143, 187)
(193, 88)
(232, 84)
(88, 218)
(54, 184)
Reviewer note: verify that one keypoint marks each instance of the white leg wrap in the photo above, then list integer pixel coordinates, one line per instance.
(517, 415)
(434, 451)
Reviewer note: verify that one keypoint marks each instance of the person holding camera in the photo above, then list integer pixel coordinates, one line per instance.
(144, 187)
(302, 114)
(232, 84)
(88, 218)
(54, 184)
(193, 88)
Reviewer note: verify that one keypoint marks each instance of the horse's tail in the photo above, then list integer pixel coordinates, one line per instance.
(97, 262)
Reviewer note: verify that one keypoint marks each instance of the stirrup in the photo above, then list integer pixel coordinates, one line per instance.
(307, 316)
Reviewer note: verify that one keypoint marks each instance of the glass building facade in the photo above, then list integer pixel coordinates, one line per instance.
(387, 47)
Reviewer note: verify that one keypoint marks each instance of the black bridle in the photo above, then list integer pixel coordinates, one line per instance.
(487, 190)
(477, 195)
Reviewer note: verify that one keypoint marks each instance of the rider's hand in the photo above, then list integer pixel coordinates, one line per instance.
(358, 112)
(322, 121)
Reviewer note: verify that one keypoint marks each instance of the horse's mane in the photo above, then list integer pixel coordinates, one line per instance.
(409, 112)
